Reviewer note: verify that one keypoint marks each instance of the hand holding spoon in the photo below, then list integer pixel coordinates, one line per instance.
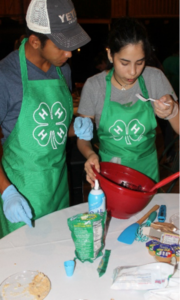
(144, 99)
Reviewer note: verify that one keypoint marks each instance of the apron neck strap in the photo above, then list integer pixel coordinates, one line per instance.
(108, 86)
(22, 59)
(59, 72)
(109, 75)
(143, 86)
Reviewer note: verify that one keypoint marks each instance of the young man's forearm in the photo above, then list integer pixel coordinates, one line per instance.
(71, 132)
(4, 182)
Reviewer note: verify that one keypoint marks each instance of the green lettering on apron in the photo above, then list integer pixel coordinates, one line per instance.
(129, 132)
(34, 154)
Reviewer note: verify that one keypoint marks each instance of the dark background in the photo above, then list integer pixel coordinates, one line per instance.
(162, 33)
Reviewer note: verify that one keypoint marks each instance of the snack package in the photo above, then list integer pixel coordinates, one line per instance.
(87, 231)
(145, 277)
(164, 237)
(164, 227)
(103, 263)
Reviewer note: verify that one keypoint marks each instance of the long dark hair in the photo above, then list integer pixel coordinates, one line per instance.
(128, 31)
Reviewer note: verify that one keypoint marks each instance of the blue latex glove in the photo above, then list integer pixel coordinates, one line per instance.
(15, 207)
(83, 128)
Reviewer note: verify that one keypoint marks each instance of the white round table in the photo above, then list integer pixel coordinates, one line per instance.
(49, 244)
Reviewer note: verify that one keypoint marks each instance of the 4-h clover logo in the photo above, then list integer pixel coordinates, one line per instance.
(133, 131)
(51, 127)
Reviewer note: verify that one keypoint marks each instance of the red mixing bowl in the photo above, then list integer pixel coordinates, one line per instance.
(125, 189)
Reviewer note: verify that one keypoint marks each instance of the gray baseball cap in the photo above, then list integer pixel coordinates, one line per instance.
(58, 21)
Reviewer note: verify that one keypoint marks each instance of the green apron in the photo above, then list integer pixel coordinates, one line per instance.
(128, 132)
(34, 154)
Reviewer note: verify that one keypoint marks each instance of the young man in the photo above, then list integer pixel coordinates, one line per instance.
(35, 115)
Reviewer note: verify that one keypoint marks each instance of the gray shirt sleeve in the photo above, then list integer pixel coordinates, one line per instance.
(157, 83)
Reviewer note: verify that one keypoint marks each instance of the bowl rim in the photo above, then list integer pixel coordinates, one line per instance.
(113, 184)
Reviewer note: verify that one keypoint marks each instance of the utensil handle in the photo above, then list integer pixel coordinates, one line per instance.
(165, 181)
(152, 216)
(154, 208)
(163, 102)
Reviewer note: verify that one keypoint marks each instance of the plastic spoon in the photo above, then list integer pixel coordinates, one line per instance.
(144, 99)
(165, 181)
(129, 234)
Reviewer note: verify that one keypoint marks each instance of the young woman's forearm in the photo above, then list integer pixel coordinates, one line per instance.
(85, 147)
(175, 122)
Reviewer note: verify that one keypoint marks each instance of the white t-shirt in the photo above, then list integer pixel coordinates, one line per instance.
(93, 92)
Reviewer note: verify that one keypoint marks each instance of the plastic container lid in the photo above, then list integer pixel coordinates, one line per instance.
(174, 219)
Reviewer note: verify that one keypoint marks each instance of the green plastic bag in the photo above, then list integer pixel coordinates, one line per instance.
(87, 231)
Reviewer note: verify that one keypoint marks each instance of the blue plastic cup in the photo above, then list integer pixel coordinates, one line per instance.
(69, 267)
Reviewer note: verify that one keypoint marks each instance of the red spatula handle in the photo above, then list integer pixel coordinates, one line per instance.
(154, 208)
(165, 181)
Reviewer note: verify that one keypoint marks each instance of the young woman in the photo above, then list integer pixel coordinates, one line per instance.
(126, 126)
